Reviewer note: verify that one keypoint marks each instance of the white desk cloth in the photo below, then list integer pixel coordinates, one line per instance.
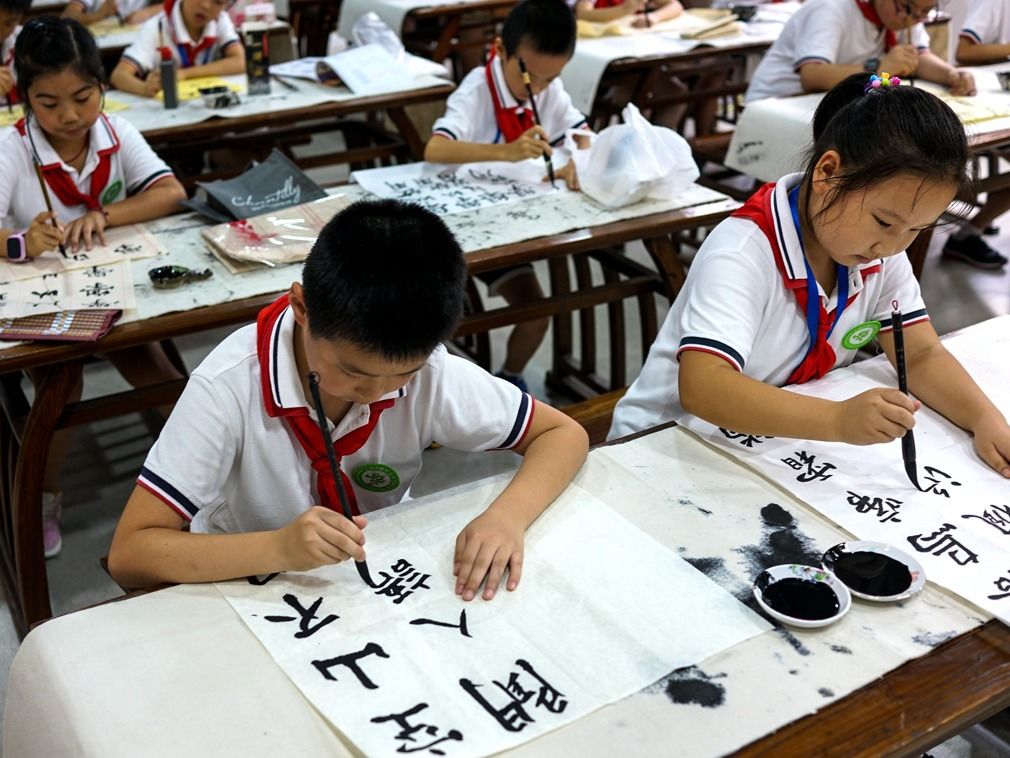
(581, 76)
(178, 673)
(772, 135)
(392, 12)
(491, 227)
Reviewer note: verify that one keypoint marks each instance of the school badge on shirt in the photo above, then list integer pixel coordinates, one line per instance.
(112, 192)
(375, 477)
(860, 335)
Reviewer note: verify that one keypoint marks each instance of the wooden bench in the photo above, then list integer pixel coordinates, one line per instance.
(595, 413)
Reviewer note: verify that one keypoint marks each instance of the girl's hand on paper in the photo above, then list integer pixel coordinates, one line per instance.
(42, 235)
(531, 144)
(961, 82)
(487, 546)
(878, 415)
(567, 174)
(82, 229)
(901, 60)
(992, 442)
(320, 537)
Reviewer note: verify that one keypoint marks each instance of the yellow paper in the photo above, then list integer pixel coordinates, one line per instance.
(189, 89)
(11, 117)
(972, 110)
(110, 25)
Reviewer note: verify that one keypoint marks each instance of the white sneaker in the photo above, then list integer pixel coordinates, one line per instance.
(52, 505)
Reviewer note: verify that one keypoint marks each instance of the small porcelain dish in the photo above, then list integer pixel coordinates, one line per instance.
(803, 596)
(743, 11)
(875, 571)
(1004, 80)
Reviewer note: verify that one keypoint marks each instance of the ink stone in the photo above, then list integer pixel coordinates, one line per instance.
(802, 599)
(872, 573)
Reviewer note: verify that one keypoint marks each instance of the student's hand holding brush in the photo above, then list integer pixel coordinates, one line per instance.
(531, 144)
(42, 236)
(320, 537)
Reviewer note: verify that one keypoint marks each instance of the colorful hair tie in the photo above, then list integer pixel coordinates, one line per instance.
(884, 80)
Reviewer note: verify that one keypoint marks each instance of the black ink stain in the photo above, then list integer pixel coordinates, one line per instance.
(841, 649)
(782, 542)
(794, 672)
(775, 515)
(933, 639)
(789, 637)
(825, 692)
(688, 501)
(692, 686)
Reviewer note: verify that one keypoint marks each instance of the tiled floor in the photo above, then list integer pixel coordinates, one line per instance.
(106, 458)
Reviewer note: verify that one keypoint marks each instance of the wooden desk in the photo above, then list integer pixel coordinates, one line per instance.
(26, 431)
(139, 657)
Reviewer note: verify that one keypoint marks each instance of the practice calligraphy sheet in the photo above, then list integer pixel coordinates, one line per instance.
(98, 287)
(130, 242)
(957, 522)
(401, 664)
(445, 190)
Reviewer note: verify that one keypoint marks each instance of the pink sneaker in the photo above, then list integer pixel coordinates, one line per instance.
(52, 541)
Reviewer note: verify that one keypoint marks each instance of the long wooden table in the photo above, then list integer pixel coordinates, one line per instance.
(26, 430)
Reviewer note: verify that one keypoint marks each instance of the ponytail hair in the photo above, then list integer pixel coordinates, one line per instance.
(887, 131)
(49, 45)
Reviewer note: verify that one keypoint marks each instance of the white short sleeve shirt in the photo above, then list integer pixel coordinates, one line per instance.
(126, 8)
(470, 116)
(827, 31)
(734, 305)
(988, 22)
(168, 29)
(225, 465)
(134, 168)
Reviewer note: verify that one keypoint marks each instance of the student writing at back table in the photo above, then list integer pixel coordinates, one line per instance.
(985, 38)
(127, 11)
(489, 118)
(828, 40)
(886, 163)
(99, 171)
(11, 13)
(242, 459)
(648, 11)
(198, 33)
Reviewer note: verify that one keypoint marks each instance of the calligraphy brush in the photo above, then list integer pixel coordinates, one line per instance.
(345, 505)
(908, 40)
(908, 441)
(536, 115)
(49, 203)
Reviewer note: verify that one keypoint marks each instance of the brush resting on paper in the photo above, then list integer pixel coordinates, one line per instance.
(908, 441)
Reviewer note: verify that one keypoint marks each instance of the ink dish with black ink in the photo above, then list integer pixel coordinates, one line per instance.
(804, 596)
(875, 571)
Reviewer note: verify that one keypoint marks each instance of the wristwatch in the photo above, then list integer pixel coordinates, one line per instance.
(17, 249)
(871, 65)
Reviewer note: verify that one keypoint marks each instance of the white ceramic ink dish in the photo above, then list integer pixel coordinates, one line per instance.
(917, 573)
(823, 584)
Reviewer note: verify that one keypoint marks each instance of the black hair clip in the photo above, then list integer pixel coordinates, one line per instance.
(170, 277)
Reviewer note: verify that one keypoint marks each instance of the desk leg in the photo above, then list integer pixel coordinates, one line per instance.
(30, 595)
(408, 132)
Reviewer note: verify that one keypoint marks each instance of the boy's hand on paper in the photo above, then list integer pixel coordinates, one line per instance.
(567, 174)
(320, 537)
(42, 235)
(6, 81)
(487, 546)
(901, 60)
(152, 84)
(878, 415)
(83, 229)
(992, 442)
(961, 82)
(531, 144)
(108, 8)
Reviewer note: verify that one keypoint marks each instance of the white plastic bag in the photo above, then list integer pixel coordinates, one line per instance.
(634, 160)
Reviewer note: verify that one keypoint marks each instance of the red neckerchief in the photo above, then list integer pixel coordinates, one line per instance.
(187, 51)
(305, 430)
(821, 359)
(63, 186)
(512, 122)
(870, 14)
(607, 3)
(12, 93)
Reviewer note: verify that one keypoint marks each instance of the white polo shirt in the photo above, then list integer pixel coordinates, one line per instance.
(145, 52)
(135, 167)
(735, 305)
(225, 465)
(988, 22)
(830, 31)
(469, 112)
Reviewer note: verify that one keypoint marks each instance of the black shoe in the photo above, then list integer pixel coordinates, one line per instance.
(991, 231)
(975, 252)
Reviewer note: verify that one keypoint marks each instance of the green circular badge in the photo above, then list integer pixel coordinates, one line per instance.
(861, 334)
(112, 192)
(375, 477)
